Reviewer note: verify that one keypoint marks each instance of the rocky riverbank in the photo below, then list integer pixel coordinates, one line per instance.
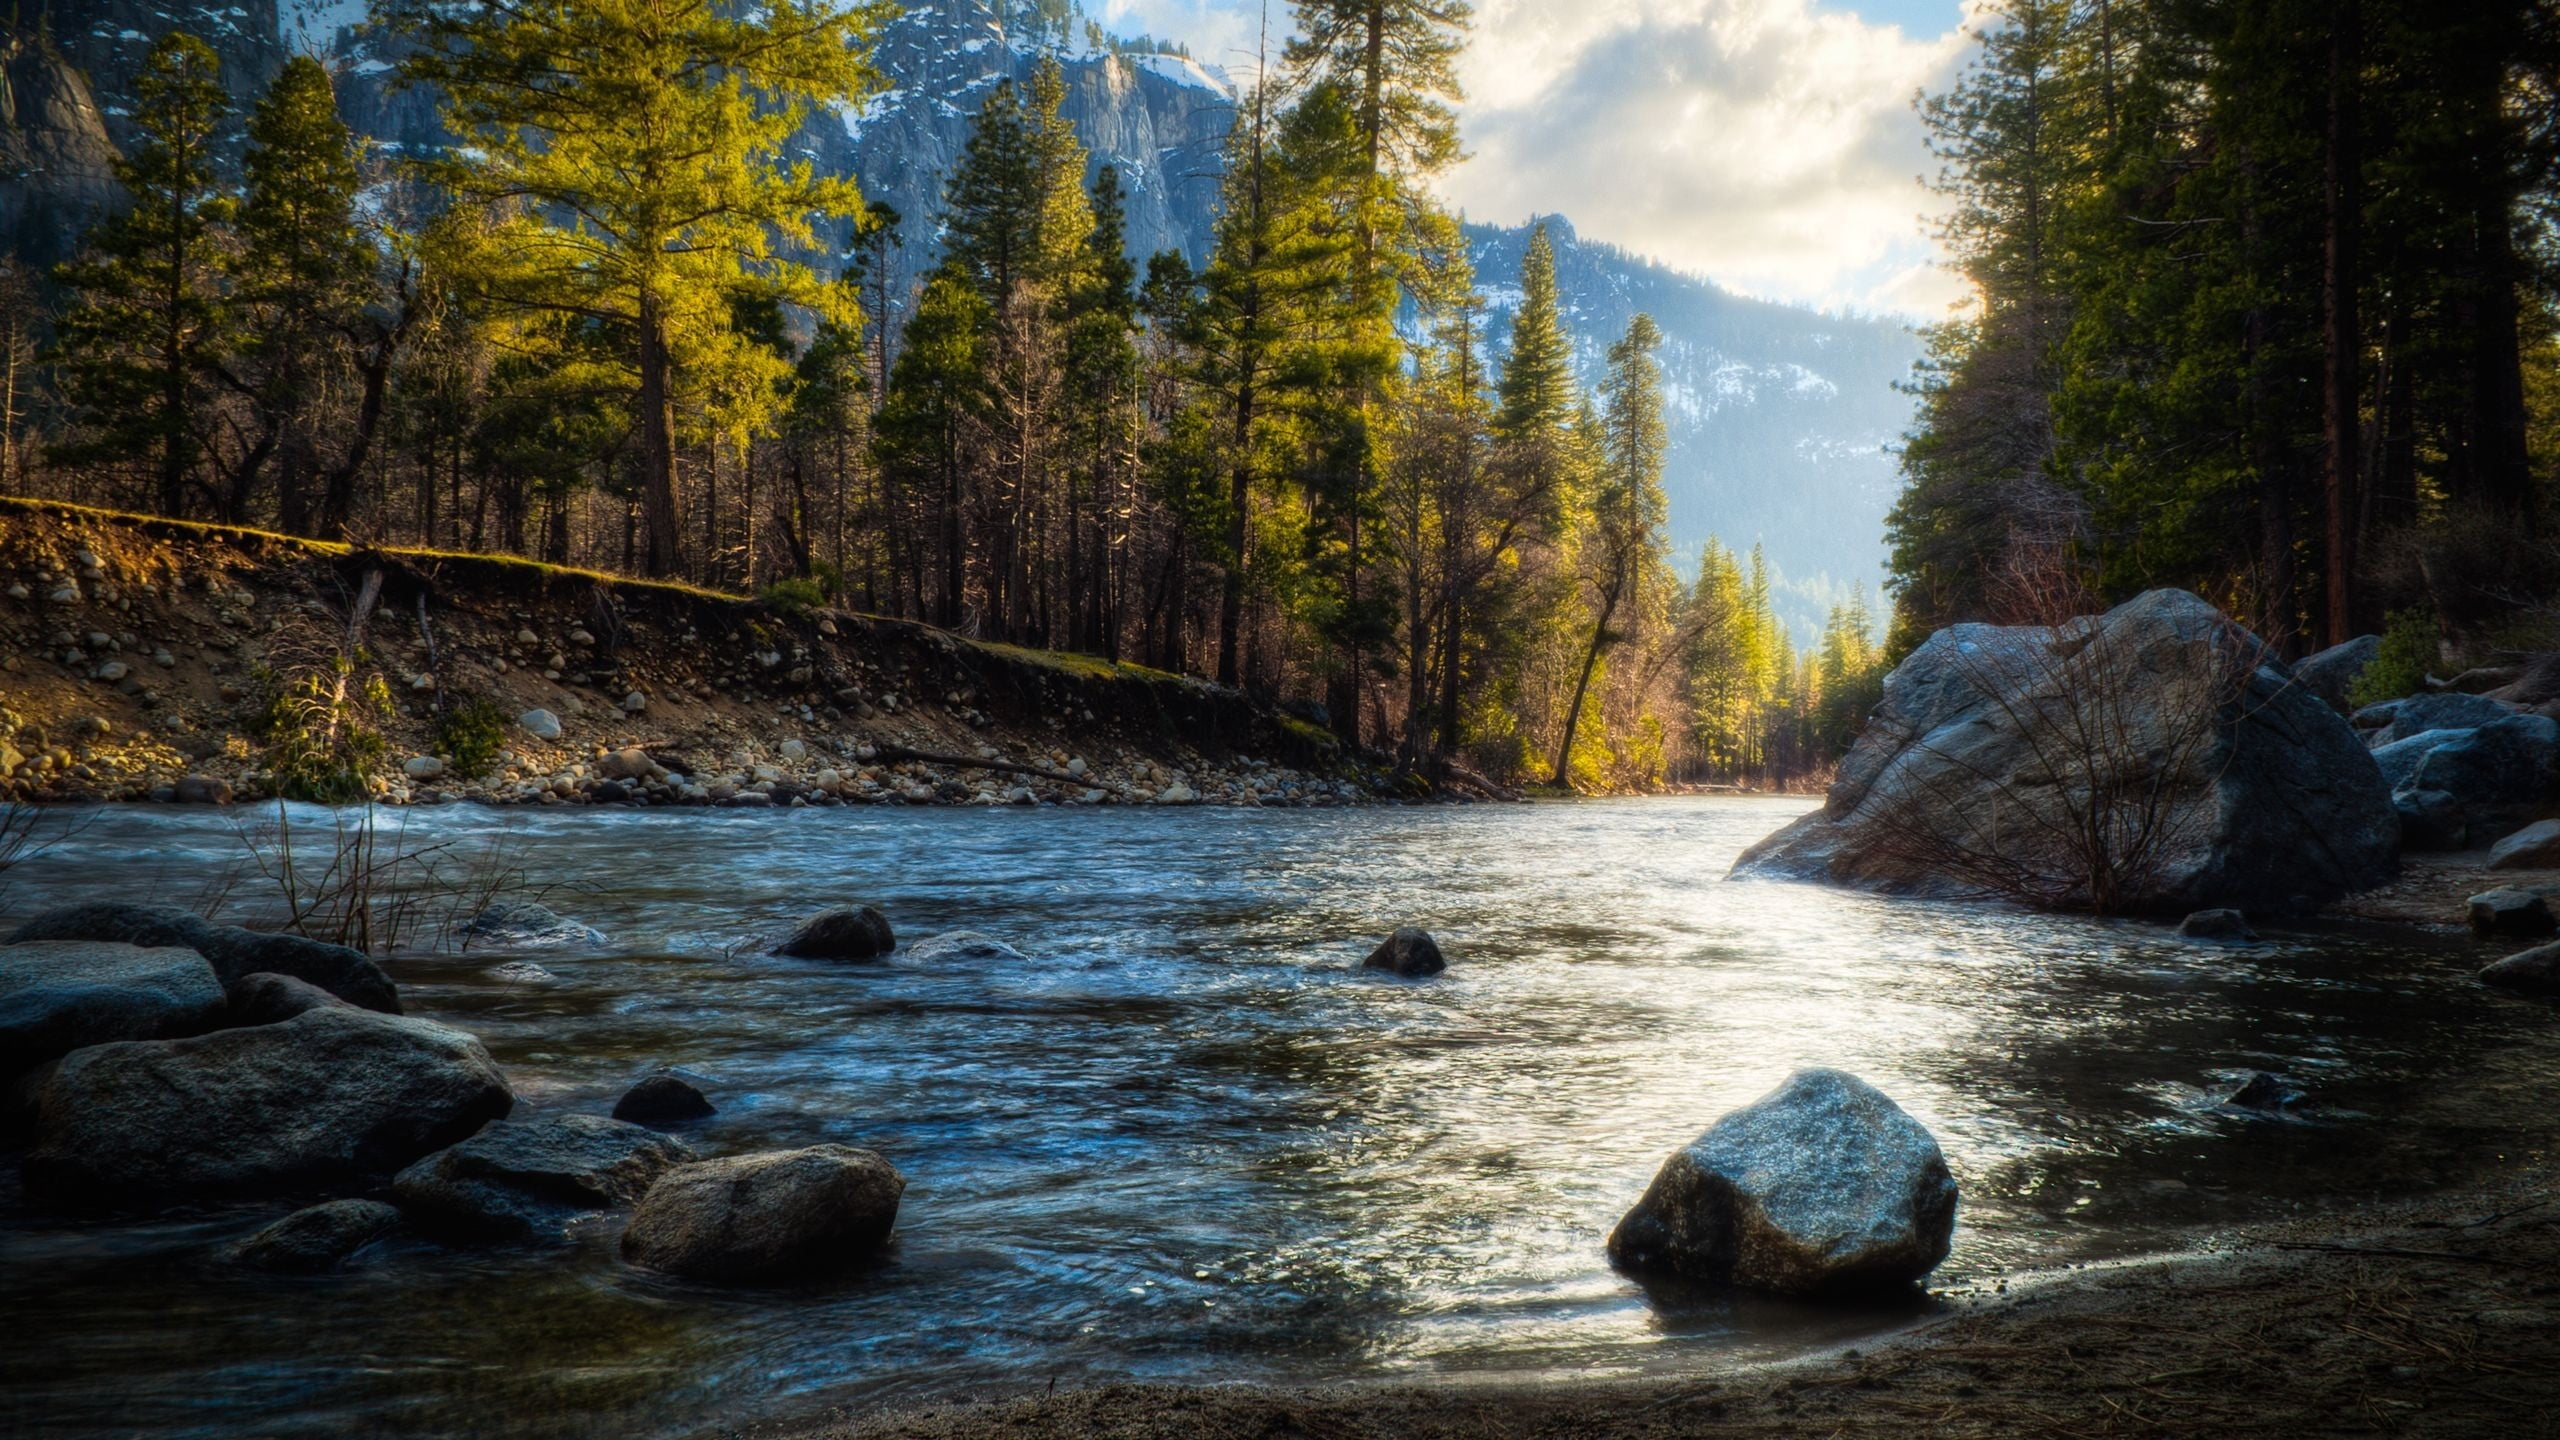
(2415, 1318)
(138, 659)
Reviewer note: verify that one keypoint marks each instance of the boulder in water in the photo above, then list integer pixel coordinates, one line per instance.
(844, 933)
(2503, 774)
(2162, 726)
(524, 1180)
(663, 1098)
(2511, 914)
(776, 1216)
(960, 945)
(320, 1237)
(523, 925)
(1823, 1185)
(2216, 925)
(234, 953)
(2535, 847)
(264, 999)
(333, 1096)
(1410, 952)
(2533, 972)
(59, 995)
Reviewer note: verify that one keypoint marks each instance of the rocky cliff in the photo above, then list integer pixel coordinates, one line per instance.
(54, 151)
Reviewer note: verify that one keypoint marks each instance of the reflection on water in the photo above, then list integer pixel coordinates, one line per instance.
(1188, 1138)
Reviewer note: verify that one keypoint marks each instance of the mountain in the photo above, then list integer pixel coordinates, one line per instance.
(1779, 416)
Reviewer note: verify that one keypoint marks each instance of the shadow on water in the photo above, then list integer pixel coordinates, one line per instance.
(1186, 1137)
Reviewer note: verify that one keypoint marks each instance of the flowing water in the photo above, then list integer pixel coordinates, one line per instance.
(1188, 1138)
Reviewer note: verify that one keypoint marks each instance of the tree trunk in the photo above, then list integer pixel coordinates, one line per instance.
(657, 447)
(1590, 661)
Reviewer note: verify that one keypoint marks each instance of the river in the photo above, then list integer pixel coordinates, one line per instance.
(1187, 1138)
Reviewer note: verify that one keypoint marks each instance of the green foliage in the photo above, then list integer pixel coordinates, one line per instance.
(470, 734)
(797, 595)
(322, 725)
(2400, 667)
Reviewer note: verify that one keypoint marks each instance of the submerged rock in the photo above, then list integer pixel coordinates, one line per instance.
(844, 933)
(233, 952)
(663, 1098)
(776, 1216)
(2216, 925)
(332, 1096)
(2535, 847)
(321, 1237)
(523, 925)
(959, 945)
(59, 995)
(2534, 972)
(1822, 1185)
(2231, 785)
(2265, 1092)
(524, 1180)
(2511, 914)
(1410, 952)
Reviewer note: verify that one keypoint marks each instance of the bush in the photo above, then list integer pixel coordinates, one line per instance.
(796, 596)
(323, 728)
(2400, 666)
(470, 734)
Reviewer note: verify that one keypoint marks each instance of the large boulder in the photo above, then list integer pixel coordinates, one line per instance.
(2399, 760)
(2503, 774)
(844, 933)
(2332, 672)
(2155, 758)
(1822, 1185)
(2510, 913)
(331, 1097)
(525, 1180)
(663, 1098)
(2451, 711)
(59, 995)
(264, 999)
(2532, 972)
(319, 1237)
(233, 952)
(2535, 847)
(2430, 820)
(774, 1216)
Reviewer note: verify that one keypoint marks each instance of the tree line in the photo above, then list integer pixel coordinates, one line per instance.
(2266, 310)
(616, 324)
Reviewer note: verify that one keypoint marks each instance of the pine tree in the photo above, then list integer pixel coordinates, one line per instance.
(139, 345)
(1628, 504)
(302, 277)
(630, 154)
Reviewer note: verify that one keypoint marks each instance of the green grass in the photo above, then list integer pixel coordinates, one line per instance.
(1076, 663)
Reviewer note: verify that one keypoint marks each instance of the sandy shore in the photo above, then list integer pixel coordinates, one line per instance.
(2426, 1318)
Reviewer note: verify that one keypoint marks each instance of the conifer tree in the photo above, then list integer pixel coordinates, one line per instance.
(630, 153)
(148, 324)
(1628, 504)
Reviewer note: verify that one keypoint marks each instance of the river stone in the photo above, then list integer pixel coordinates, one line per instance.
(540, 724)
(629, 763)
(780, 1215)
(333, 1096)
(233, 952)
(662, 1098)
(844, 933)
(2535, 847)
(523, 925)
(2332, 672)
(1410, 952)
(2504, 773)
(2430, 820)
(2532, 972)
(2511, 914)
(318, 1238)
(525, 1180)
(2216, 925)
(1823, 1185)
(2266, 799)
(264, 999)
(59, 995)
(202, 790)
(2421, 713)
(961, 945)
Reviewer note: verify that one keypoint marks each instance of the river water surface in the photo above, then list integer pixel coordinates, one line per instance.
(1186, 1138)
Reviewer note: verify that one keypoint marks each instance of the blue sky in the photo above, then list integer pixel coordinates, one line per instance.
(1768, 144)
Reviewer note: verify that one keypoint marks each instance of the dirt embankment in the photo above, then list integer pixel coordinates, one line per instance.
(136, 656)
(2422, 1319)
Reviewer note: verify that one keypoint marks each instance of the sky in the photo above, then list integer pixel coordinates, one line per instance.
(1769, 145)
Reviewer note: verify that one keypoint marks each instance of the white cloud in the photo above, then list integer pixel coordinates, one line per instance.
(1768, 144)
